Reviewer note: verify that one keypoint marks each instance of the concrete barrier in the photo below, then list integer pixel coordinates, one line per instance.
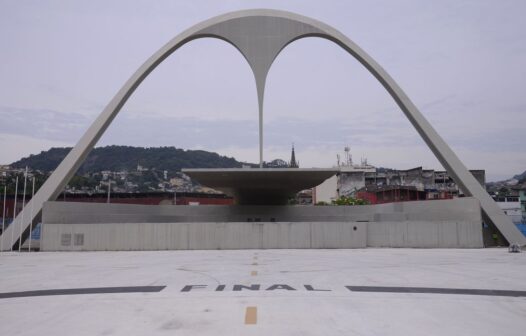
(453, 223)
(425, 234)
(203, 236)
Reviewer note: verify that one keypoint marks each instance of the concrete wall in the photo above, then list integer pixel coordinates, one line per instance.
(326, 192)
(425, 234)
(203, 236)
(512, 209)
(444, 223)
(438, 210)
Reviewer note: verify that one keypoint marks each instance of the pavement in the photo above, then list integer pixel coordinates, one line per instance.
(264, 292)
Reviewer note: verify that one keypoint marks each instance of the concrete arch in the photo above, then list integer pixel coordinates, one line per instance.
(260, 35)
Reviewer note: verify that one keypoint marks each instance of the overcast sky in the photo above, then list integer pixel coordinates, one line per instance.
(463, 63)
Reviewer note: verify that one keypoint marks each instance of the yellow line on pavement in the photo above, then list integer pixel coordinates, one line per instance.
(251, 315)
(254, 273)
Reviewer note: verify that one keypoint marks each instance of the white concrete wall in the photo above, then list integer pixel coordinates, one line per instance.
(439, 210)
(327, 191)
(427, 234)
(205, 236)
(512, 209)
(425, 224)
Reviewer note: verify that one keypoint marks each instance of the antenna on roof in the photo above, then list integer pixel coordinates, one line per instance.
(348, 156)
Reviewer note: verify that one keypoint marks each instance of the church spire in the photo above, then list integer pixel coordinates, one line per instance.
(293, 163)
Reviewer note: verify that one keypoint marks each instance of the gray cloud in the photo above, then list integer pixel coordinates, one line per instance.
(42, 123)
(188, 132)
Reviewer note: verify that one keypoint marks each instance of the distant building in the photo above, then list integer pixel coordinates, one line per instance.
(390, 194)
(326, 192)
(522, 199)
(153, 198)
(384, 185)
(350, 179)
(304, 197)
(511, 205)
(141, 169)
(4, 170)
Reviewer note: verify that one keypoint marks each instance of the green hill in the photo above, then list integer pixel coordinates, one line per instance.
(521, 177)
(117, 158)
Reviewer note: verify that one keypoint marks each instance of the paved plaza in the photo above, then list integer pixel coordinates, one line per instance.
(264, 292)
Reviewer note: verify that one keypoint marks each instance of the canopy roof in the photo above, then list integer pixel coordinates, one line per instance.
(260, 186)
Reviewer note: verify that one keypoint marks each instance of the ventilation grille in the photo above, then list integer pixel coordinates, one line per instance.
(79, 239)
(65, 239)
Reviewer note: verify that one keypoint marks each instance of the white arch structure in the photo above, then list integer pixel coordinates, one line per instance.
(260, 35)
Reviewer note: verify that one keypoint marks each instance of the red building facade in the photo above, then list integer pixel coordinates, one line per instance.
(390, 194)
(161, 198)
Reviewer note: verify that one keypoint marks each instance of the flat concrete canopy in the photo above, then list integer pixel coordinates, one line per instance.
(260, 186)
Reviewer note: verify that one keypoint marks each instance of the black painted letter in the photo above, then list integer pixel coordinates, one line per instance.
(251, 287)
(188, 288)
(310, 288)
(287, 287)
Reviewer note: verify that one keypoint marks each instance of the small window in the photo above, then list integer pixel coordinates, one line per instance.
(272, 219)
(249, 219)
(65, 239)
(257, 219)
(79, 239)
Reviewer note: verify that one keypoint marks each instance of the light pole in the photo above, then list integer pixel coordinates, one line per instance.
(109, 191)
(31, 214)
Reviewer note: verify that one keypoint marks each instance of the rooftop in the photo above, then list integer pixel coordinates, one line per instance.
(258, 186)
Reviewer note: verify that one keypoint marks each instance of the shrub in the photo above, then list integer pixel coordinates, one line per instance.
(348, 200)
